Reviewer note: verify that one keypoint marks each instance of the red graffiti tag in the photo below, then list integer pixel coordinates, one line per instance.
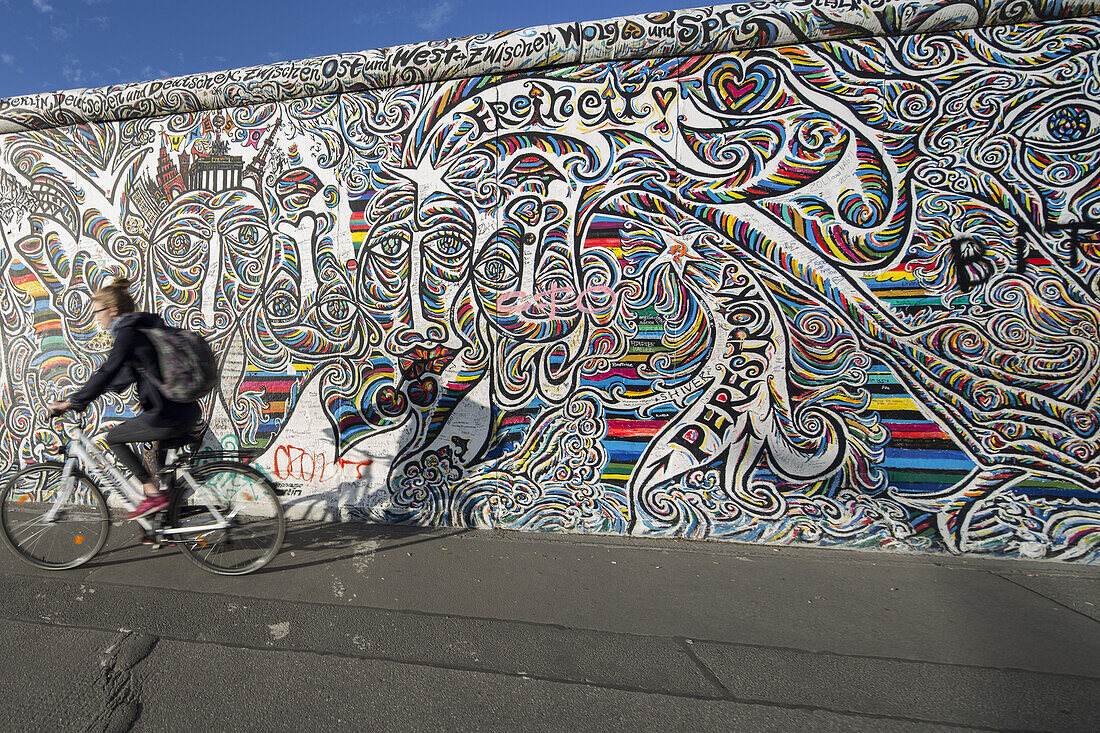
(294, 463)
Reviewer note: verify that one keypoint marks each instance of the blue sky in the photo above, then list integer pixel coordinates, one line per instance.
(47, 45)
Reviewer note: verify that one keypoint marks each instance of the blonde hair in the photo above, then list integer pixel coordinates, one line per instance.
(116, 295)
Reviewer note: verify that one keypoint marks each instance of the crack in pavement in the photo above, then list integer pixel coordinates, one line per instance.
(119, 724)
(123, 706)
(1029, 589)
(277, 631)
(123, 697)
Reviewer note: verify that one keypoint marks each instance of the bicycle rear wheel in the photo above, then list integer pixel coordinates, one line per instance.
(50, 524)
(243, 496)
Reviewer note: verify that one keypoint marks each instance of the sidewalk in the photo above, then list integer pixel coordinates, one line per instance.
(386, 627)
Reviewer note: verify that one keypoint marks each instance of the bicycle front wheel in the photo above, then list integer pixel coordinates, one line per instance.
(52, 522)
(251, 526)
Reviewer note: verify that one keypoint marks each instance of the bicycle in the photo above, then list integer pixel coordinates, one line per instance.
(224, 515)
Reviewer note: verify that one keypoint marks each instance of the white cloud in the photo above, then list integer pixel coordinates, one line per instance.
(75, 75)
(101, 20)
(434, 18)
(42, 6)
(7, 59)
(149, 73)
(72, 72)
(59, 34)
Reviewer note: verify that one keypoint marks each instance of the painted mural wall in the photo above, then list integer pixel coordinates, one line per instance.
(815, 271)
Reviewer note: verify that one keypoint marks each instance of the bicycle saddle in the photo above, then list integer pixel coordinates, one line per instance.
(191, 441)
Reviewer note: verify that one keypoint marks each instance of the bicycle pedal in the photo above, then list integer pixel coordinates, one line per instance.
(153, 543)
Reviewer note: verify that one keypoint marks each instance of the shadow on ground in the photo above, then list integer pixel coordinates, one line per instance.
(307, 543)
(315, 543)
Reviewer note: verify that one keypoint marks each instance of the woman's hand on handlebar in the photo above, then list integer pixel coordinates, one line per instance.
(56, 408)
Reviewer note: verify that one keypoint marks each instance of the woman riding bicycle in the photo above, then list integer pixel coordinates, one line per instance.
(133, 359)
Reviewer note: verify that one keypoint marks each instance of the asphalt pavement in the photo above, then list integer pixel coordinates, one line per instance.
(374, 627)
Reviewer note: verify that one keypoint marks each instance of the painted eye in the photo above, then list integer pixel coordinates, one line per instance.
(282, 306)
(498, 270)
(498, 265)
(390, 244)
(184, 247)
(334, 310)
(178, 244)
(446, 254)
(249, 234)
(1070, 124)
(449, 245)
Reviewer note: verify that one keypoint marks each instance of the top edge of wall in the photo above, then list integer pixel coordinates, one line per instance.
(714, 29)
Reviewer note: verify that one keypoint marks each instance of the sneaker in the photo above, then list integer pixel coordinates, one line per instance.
(151, 505)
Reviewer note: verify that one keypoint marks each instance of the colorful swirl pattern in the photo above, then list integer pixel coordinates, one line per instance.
(812, 271)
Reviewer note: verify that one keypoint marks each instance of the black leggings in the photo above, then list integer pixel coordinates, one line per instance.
(148, 426)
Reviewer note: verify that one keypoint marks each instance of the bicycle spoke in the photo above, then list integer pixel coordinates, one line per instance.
(252, 525)
(52, 523)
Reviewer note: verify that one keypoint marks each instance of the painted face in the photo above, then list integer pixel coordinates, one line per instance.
(441, 244)
(418, 257)
(417, 262)
(523, 279)
(209, 256)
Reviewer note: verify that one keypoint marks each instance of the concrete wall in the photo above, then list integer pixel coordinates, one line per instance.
(812, 271)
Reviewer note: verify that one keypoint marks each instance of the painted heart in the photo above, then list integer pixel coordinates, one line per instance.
(390, 402)
(734, 94)
(528, 210)
(423, 392)
(661, 127)
(664, 97)
(755, 89)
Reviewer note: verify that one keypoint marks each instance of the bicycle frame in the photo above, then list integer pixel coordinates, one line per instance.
(84, 452)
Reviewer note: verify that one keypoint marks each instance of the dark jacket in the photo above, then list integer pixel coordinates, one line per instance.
(132, 357)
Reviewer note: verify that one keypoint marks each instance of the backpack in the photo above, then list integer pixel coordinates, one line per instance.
(188, 369)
